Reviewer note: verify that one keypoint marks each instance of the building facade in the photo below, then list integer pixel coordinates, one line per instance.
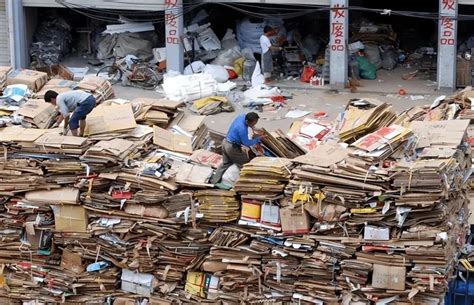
(15, 24)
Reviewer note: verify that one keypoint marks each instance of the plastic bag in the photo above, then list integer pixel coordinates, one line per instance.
(231, 175)
(227, 57)
(308, 72)
(367, 70)
(372, 53)
(194, 67)
(389, 58)
(219, 73)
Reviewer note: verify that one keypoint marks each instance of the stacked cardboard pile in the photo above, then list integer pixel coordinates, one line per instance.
(128, 213)
(100, 88)
(364, 116)
(37, 114)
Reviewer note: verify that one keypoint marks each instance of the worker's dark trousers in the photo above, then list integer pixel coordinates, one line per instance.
(232, 154)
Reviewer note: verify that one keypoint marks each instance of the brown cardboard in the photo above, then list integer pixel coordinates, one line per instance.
(58, 85)
(389, 277)
(57, 196)
(110, 118)
(35, 80)
(294, 221)
(58, 141)
(70, 218)
(72, 261)
(170, 141)
(38, 112)
(324, 155)
(439, 133)
(19, 134)
(58, 71)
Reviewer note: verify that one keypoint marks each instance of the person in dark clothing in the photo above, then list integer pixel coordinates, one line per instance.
(237, 136)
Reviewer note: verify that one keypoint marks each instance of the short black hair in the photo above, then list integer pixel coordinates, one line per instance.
(251, 117)
(50, 94)
(267, 29)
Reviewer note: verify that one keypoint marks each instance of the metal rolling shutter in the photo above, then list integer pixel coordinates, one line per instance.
(4, 36)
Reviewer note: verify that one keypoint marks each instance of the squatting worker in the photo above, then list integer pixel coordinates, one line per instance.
(77, 102)
(237, 136)
(267, 48)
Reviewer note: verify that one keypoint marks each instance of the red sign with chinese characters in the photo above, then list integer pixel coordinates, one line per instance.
(447, 31)
(337, 28)
(170, 21)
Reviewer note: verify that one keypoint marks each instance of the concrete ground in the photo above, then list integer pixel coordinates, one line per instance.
(305, 97)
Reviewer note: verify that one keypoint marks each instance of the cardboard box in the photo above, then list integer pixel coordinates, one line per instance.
(110, 118)
(389, 277)
(38, 112)
(57, 71)
(72, 261)
(170, 141)
(202, 284)
(35, 80)
(70, 218)
(294, 221)
(375, 233)
(138, 283)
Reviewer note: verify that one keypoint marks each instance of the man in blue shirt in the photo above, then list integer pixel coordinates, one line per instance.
(237, 136)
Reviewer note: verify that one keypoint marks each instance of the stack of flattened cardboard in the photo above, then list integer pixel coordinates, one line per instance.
(155, 111)
(280, 145)
(218, 205)
(100, 88)
(34, 80)
(58, 85)
(37, 113)
(110, 121)
(124, 218)
(364, 116)
(264, 178)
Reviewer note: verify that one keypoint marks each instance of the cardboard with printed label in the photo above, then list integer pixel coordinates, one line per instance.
(389, 277)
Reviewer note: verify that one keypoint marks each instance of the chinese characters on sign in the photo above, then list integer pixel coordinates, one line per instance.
(337, 28)
(447, 31)
(447, 24)
(170, 20)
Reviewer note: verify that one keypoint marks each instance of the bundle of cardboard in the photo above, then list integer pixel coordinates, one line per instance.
(127, 214)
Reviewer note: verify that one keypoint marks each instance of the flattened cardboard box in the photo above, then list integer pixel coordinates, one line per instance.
(170, 141)
(294, 221)
(72, 261)
(35, 80)
(389, 277)
(58, 85)
(59, 71)
(110, 118)
(40, 112)
(57, 196)
(70, 218)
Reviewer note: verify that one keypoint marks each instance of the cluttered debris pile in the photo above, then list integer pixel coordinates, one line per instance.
(371, 209)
